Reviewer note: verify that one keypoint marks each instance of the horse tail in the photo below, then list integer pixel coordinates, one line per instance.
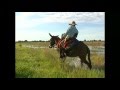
(89, 57)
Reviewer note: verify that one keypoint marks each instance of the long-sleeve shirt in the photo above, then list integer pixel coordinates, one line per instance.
(71, 31)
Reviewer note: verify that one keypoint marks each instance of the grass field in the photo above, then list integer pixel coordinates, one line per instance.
(45, 63)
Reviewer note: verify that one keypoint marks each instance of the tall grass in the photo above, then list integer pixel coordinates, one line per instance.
(45, 63)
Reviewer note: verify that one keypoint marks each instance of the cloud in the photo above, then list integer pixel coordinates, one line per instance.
(27, 22)
(66, 17)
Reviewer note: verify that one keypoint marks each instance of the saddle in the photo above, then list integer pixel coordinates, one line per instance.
(67, 46)
(63, 44)
(69, 42)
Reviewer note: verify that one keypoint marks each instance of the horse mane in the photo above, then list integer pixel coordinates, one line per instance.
(56, 37)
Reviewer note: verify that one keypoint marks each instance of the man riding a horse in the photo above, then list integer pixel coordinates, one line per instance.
(69, 46)
(70, 37)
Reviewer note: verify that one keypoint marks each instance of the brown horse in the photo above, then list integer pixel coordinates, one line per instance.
(81, 50)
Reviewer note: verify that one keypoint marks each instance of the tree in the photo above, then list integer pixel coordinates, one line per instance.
(25, 41)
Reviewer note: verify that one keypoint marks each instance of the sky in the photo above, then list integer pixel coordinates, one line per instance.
(37, 25)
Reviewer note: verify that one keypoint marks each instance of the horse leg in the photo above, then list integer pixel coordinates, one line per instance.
(89, 58)
(61, 53)
(83, 59)
(81, 63)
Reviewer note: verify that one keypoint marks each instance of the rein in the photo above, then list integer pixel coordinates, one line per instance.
(58, 42)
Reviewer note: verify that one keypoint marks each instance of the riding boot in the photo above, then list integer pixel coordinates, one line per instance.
(68, 49)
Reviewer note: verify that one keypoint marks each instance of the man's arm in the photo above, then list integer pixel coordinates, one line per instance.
(75, 35)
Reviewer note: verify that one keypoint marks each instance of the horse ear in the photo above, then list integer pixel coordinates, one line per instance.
(50, 34)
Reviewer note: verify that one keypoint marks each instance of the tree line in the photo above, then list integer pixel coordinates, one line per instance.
(33, 41)
(49, 40)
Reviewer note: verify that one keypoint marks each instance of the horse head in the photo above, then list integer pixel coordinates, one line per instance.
(53, 40)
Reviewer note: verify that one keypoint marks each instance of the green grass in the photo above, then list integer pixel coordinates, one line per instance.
(45, 63)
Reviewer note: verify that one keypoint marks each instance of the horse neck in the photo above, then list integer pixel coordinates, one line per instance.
(57, 40)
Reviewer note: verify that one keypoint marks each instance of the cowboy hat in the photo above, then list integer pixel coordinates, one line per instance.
(73, 23)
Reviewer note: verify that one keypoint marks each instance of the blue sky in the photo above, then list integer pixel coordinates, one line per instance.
(37, 25)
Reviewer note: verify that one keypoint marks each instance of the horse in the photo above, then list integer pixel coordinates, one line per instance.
(81, 50)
